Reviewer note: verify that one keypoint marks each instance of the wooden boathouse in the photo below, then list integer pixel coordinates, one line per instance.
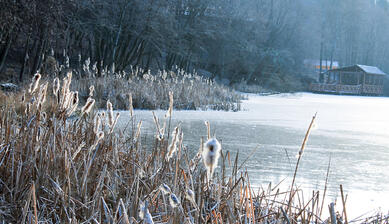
(356, 79)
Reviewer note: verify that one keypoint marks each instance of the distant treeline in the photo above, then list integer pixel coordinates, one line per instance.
(255, 41)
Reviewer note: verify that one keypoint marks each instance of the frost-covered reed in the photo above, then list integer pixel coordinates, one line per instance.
(154, 90)
(35, 83)
(57, 167)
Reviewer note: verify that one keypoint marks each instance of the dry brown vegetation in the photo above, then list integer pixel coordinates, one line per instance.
(59, 168)
(151, 91)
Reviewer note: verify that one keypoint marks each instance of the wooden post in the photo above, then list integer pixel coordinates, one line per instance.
(340, 78)
(358, 78)
(363, 84)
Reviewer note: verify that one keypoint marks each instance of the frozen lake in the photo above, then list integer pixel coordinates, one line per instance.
(353, 130)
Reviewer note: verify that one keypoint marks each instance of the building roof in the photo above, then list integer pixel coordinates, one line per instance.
(371, 70)
(316, 62)
(364, 68)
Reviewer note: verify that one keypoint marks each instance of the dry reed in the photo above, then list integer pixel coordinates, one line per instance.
(65, 169)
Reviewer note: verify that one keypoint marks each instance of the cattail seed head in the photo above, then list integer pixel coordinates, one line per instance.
(23, 98)
(67, 62)
(160, 134)
(56, 86)
(91, 90)
(114, 122)
(190, 195)
(73, 103)
(35, 83)
(69, 75)
(173, 145)
(75, 98)
(43, 116)
(138, 132)
(160, 131)
(307, 134)
(144, 213)
(28, 109)
(67, 100)
(96, 125)
(64, 85)
(131, 105)
(165, 188)
(211, 153)
(65, 91)
(100, 135)
(174, 201)
(43, 92)
(88, 106)
(142, 208)
(171, 101)
(148, 219)
(110, 113)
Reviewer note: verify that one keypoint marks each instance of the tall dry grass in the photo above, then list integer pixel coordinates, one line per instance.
(150, 90)
(64, 165)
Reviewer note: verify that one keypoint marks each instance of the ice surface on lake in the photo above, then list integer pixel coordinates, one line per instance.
(353, 130)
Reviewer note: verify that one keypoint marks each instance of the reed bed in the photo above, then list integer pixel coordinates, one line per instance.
(150, 89)
(61, 162)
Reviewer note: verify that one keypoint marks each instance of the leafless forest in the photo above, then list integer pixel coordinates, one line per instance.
(260, 42)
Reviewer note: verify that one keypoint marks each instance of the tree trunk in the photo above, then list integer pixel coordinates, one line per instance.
(38, 55)
(25, 60)
(4, 53)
